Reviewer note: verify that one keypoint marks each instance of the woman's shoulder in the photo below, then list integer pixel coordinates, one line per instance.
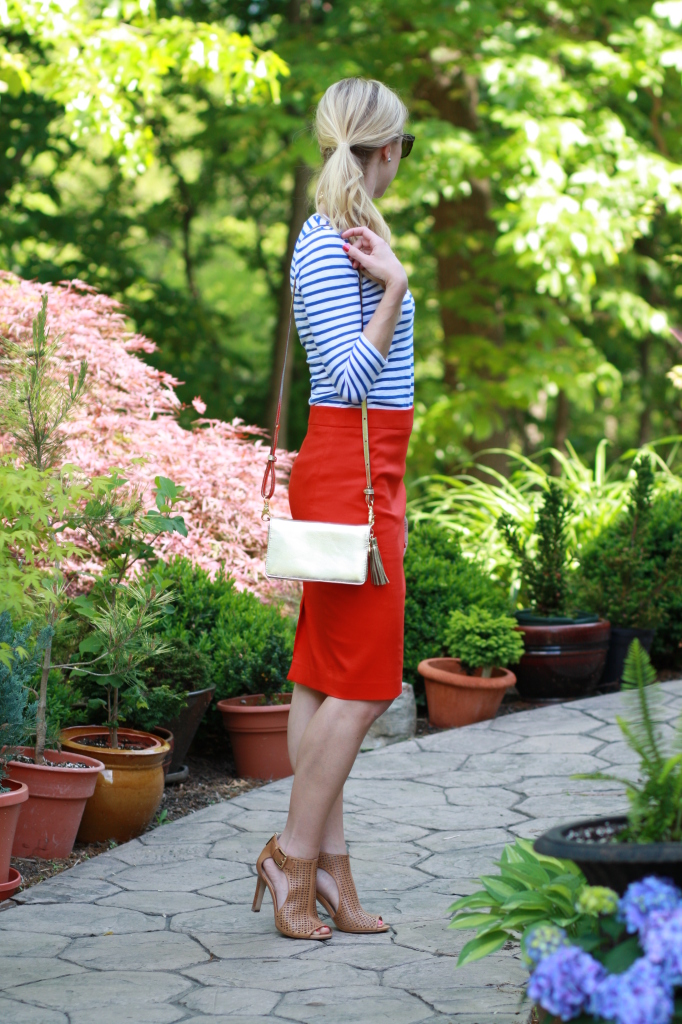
(317, 234)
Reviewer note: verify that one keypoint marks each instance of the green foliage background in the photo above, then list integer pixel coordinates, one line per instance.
(539, 214)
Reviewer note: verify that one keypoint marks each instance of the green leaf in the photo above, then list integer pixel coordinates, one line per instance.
(473, 920)
(622, 956)
(498, 889)
(477, 948)
(92, 644)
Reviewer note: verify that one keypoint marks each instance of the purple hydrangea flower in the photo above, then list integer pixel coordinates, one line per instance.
(642, 899)
(663, 944)
(638, 996)
(541, 941)
(563, 982)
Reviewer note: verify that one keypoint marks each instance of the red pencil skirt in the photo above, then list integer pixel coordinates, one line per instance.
(349, 640)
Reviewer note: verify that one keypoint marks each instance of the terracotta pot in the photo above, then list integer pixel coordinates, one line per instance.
(184, 727)
(128, 791)
(562, 661)
(258, 733)
(456, 699)
(49, 819)
(8, 888)
(10, 808)
(167, 735)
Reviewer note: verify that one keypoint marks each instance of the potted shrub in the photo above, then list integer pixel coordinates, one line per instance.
(469, 685)
(57, 787)
(129, 791)
(248, 646)
(632, 572)
(439, 580)
(648, 840)
(564, 655)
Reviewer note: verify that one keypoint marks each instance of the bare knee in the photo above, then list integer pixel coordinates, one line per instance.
(370, 710)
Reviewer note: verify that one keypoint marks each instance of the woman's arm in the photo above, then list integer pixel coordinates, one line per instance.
(373, 254)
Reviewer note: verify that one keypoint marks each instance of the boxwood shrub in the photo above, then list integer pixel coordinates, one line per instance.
(440, 580)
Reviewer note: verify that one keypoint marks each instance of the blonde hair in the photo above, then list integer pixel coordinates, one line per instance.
(354, 117)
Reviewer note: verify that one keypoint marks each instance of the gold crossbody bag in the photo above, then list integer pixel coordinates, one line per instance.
(324, 552)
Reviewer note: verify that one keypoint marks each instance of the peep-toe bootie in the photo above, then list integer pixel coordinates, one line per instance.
(349, 915)
(297, 917)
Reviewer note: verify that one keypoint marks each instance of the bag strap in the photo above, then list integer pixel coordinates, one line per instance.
(268, 486)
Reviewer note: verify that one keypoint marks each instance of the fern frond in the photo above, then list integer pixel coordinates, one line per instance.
(642, 731)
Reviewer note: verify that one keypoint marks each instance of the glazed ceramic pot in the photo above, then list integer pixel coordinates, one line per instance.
(562, 661)
(258, 733)
(167, 735)
(129, 789)
(612, 864)
(619, 644)
(184, 727)
(49, 820)
(455, 699)
(11, 800)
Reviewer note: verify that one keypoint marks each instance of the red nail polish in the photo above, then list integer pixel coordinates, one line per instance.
(346, 247)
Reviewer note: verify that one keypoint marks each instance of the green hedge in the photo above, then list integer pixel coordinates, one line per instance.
(247, 644)
(440, 580)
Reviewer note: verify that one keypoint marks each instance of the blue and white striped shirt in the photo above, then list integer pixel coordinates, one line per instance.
(344, 366)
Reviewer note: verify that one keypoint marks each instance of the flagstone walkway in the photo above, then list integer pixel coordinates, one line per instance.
(160, 930)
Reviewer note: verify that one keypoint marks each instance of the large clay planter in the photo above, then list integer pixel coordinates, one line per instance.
(562, 662)
(10, 808)
(128, 791)
(50, 818)
(184, 727)
(455, 699)
(258, 733)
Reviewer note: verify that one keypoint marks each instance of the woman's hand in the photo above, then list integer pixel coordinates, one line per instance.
(375, 256)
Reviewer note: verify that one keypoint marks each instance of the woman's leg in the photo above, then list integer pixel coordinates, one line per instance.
(325, 734)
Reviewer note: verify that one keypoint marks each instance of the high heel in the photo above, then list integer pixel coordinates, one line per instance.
(349, 915)
(297, 917)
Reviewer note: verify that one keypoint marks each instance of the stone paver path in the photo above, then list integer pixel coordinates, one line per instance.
(161, 930)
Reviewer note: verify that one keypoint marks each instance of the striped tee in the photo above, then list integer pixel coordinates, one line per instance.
(344, 366)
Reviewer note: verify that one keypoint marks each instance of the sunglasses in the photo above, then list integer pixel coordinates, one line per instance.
(408, 143)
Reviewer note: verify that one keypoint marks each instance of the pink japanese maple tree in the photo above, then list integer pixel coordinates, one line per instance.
(128, 420)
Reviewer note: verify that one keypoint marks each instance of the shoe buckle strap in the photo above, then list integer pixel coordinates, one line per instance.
(276, 851)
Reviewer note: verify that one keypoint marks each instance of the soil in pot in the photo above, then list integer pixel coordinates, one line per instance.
(455, 699)
(12, 796)
(184, 727)
(594, 847)
(258, 733)
(562, 661)
(620, 641)
(58, 791)
(129, 790)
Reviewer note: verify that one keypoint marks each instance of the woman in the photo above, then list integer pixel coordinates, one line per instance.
(347, 664)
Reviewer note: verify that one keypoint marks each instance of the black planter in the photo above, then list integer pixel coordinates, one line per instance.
(621, 638)
(561, 661)
(184, 727)
(612, 864)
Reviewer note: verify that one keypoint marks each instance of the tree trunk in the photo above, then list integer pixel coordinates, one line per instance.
(299, 213)
(646, 393)
(464, 231)
(560, 429)
(41, 710)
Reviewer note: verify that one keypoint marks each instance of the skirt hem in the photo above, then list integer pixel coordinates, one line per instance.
(339, 689)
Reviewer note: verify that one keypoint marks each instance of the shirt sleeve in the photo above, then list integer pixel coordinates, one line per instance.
(328, 286)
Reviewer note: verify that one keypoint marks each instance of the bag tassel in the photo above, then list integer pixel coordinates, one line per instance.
(376, 566)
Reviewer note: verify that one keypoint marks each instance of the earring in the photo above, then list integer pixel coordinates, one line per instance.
(388, 159)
